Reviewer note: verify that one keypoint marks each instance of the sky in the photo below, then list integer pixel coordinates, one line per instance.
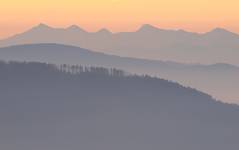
(119, 15)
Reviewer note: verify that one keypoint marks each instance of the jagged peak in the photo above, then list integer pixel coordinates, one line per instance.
(42, 25)
(219, 31)
(148, 27)
(74, 27)
(104, 31)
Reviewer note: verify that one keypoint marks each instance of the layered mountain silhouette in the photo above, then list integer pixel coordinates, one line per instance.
(65, 107)
(218, 45)
(220, 80)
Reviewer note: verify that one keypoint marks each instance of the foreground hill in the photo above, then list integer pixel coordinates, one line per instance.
(44, 108)
(218, 45)
(219, 80)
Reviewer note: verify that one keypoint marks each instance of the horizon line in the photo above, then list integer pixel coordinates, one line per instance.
(75, 26)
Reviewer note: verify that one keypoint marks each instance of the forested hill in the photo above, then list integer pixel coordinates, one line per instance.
(44, 107)
(212, 79)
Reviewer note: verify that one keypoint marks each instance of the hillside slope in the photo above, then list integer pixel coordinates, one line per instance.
(219, 80)
(42, 107)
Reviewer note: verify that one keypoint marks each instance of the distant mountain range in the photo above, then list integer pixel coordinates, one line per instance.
(216, 46)
(220, 80)
(44, 108)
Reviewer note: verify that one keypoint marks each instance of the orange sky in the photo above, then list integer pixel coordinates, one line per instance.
(119, 15)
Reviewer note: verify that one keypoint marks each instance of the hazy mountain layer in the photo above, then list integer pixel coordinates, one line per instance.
(43, 108)
(220, 80)
(216, 46)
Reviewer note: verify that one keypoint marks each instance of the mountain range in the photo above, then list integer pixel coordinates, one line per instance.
(220, 80)
(216, 46)
(47, 107)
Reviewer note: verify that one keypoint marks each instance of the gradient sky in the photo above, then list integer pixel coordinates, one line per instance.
(119, 15)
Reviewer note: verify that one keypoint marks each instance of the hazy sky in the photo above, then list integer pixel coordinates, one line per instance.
(119, 15)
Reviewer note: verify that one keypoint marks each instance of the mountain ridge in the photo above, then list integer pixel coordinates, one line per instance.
(212, 79)
(146, 27)
(149, 42)
(142, 59)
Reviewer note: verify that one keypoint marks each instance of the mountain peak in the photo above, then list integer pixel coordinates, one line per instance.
(148, 27)
(74, 27)
(42, 25)
(104, 31)
(219, 31)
